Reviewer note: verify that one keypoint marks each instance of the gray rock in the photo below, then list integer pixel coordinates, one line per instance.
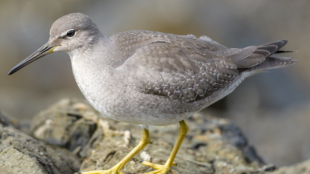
(6, 120)
(22, 154)
(203, 151)
(212, 145)
(301, 168)
(68, 123)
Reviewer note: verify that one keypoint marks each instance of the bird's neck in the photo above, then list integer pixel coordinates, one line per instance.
(91, 71)
(94, 53)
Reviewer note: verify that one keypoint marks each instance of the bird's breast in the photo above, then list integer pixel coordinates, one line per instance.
(93, 83)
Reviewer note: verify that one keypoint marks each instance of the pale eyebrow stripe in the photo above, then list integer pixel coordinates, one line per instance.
(64, 34)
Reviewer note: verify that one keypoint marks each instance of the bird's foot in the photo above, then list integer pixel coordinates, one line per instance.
(110, 171)
(160, 169)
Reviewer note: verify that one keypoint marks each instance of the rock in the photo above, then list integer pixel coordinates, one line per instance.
(6, 120)
(212, 145)
(20, 153)
(206, 149)
(301, 168)
(68, 124)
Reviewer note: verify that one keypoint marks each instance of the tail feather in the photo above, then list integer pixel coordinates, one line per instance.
(273, 62)
(279, 43)
(265, 53)
(283, 51)
(270, 62)
(254, 59)
(271, 47)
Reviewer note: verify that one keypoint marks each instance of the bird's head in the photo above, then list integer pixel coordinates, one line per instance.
(68, 33)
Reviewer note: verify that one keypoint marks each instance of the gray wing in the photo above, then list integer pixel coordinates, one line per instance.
(180, 68)
(185, 67)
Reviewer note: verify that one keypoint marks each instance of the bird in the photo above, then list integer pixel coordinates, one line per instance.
(152, 78)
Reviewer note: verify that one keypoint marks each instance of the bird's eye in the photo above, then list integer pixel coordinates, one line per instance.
(71, 33)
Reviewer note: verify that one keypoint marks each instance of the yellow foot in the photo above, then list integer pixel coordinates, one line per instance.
(160, 169)
(111, 171)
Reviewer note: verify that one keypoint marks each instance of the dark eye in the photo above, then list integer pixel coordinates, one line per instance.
(71, 33)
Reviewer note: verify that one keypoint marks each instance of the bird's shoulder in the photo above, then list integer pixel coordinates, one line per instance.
(129, 42)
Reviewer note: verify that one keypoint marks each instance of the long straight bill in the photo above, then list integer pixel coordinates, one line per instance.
(43, 51)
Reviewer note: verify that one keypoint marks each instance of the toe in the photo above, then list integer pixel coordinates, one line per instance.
(146, 163)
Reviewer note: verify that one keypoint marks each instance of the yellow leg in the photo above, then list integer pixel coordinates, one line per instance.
(146, 139)
(163, 169)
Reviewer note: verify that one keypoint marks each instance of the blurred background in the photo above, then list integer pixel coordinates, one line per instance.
(272, 108)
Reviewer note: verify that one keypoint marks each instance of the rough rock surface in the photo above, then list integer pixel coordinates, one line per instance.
(22, 154)
(68, 123)
(212, 145)
(301, 168)
(6, 120)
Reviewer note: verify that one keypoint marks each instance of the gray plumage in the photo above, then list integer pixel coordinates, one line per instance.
(154, 78)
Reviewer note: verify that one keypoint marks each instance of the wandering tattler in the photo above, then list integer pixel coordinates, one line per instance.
(152, 78)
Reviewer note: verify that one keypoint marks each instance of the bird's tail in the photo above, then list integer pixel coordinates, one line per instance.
(254, 59)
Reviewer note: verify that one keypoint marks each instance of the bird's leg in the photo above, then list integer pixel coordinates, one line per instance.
(146, 139)
(163, 169)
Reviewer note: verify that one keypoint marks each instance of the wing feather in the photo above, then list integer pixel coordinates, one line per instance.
(189, 72)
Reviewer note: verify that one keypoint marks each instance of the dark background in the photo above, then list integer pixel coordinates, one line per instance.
(272, 108)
